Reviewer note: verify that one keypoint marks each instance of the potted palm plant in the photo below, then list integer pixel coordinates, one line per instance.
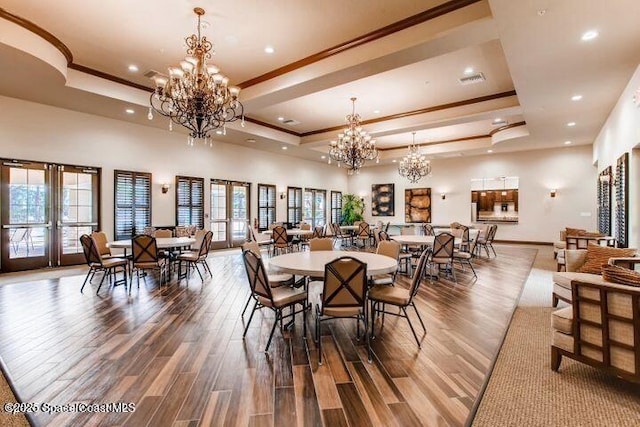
(352, 209)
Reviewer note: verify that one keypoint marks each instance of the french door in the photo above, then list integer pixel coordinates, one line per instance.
(229, 213)
(45, 210)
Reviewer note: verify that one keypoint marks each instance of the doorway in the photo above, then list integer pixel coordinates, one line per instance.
(229, 213)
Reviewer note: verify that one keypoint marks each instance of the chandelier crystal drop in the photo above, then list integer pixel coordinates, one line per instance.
(414, 165)
(196, 95)
(353, 146)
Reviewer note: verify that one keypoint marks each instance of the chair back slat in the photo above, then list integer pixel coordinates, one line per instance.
(318, 232)
(258, 279)
(389, 248)
(345, 281)
(162, 233)
(200, 235)
(492, 233)
(418, 273)
(443, 245)
(251, 246)
(280, 236)
(206, 244)
(428, 230)
(100, 237)
(321, 244)
(383, 235)
(364, 229)
(90, 249)
(144, 249)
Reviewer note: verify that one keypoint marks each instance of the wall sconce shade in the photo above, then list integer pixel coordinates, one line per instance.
(283, 196)
(443, 196)
(553, 192)
(165, 188)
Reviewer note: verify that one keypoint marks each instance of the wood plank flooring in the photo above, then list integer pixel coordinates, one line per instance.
(178, 352)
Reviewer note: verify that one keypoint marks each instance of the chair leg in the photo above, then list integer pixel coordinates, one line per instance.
(419, 318)
(195, 265)
(472, 269)
(106, 273)
(494, 251)
(556, 359)
(246, 305)
(318, 336)
(273, 329)
(89, 273)
(246, 328)
(406, 316)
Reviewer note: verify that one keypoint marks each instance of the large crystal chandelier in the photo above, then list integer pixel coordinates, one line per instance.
(353, 146)
(414, 165)
(196, 95)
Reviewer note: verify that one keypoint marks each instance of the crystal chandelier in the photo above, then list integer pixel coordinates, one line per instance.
(353, 146)
(196, 95)
(414, 165)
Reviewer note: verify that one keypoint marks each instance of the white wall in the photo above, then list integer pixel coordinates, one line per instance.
(31, 131)
(620, 134)
(567, 169)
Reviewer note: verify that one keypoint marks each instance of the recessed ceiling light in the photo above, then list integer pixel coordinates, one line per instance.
(542, 12)
(133, 68)
(468, 70)
(323, 157)
(219, 132)
(393, 161)
(589, 35)
(497, 120)
(489, 151)
(129, 111)
(571, 124)
(284, 148)
(269, 49)
(281, 119)
(376, 111)
(576, 97)
(567, 143)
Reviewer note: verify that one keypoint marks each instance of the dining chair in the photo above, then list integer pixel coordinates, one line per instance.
(195, 257)
(96, 263)
(464, 236)
(100, 237)
(343, 297)
(144, 250)
(465, 256)
(273, 298)
(275, 279)
(391, 249)
(338, 236)
(381, 295)
(364, 233)
(280, 240)
(321, 244)
(162, 233)
(427, 230)
(486, 241)
(20, 235)
(442, 253)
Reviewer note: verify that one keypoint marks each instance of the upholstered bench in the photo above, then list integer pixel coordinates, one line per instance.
(600, 328)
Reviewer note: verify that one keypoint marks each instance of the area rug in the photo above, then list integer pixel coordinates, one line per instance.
(7, 419)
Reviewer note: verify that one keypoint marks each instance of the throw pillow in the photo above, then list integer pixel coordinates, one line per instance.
(624, 276)
(590, 234)
(575, 231)
(598, 255)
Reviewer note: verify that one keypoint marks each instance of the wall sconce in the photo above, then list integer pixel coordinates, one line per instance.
(165, 188)
(443, 196)
(553, 192)
(283, 195)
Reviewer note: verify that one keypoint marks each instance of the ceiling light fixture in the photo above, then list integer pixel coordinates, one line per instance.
(129, 111)
(269, 50)
(567, 143)
(576, 97)
(414, 165)
(353, 146)
(468, 70)
(571, 124)
(489, 151)
(196, 95)
(323, 157)
(133, 68)
(589, 35)
(281, 119)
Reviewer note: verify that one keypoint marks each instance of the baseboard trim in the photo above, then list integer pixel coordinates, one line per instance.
(524, 242)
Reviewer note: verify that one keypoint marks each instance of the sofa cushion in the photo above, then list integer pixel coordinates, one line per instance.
(562, 292)
(564, 278)
(559, 244)
(597, 256)
(562, 320)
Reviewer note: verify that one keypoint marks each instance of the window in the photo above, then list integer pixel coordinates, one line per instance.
(266, 206)
(132, 193)
(189, 201)
(294, 205)
(314, 206)
(336, 207)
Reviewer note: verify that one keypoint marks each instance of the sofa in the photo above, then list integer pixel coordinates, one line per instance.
(601, 328)
(575, 259)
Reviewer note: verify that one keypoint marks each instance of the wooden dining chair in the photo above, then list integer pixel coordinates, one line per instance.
(273, 298)
(100, 237)
(321, 244)
(466, 256)
(280, 240)
(364, 233)
(96, 263)
(381, 295)
(144, 250)
(343, 297)
(195, 257)
(162, 233)
(427, 230)
(442, 253)
(391, 249)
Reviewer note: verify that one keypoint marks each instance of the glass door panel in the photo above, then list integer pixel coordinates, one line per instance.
(26, 224)
(229, 213)
(239, 214)
(219, 215)
(77, 211)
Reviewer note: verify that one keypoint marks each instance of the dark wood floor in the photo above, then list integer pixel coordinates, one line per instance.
(178, 353)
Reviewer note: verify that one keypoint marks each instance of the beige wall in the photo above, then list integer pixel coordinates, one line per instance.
(567, 169)
(37, 132)
(621, 134)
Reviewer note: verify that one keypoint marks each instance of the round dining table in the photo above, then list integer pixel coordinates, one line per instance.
(411, 239)
(292, 232)
(161, 242)
(312, 263)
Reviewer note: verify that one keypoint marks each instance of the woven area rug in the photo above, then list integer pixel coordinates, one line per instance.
(524, 391)
(6, 396)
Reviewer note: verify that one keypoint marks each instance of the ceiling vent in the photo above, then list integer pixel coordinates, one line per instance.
(290, 122)
(472, 79)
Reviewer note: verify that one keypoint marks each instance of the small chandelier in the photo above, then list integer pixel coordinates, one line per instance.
(353, 146)
(196, 95)
(414, 165)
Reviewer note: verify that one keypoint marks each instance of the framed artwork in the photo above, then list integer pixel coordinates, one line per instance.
(417, 205)
(622, 201)
(382, 197)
